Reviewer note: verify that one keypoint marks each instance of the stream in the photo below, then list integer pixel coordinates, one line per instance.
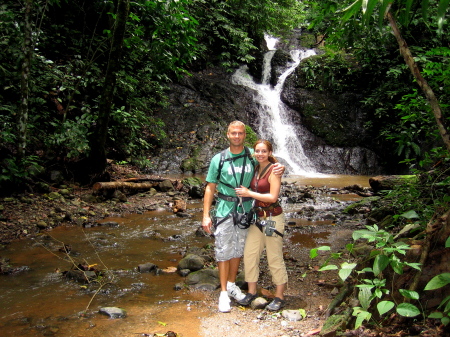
(40, 302)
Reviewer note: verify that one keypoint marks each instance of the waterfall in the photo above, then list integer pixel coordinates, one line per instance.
(274, 123)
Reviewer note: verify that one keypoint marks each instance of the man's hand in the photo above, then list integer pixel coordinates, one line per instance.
(207, 224)
(278, 169)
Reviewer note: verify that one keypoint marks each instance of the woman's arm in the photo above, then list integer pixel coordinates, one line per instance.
(271, 197)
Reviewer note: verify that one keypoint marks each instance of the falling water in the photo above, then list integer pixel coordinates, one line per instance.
(273, 119)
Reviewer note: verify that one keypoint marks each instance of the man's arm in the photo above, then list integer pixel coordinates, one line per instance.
(208, 198)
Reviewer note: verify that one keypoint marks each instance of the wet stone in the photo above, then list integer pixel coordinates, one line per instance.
(147, 267)
(292, 315)
(259, 303)
(113, 312)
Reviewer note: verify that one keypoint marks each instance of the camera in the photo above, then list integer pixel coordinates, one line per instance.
(267, 227)
(242, 220)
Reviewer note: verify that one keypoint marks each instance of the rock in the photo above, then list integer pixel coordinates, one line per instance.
(179, 205)
(196, 192)
(184, 272)
(113, 312)
(192, 262)
(56, 176)
(147, 267)
(166, 185)
(205, 277)
(292, 315)
(259, 303)
(120, 196)
(178, 286)
(41, 225)
(334, 292)
(64, 192)
(54, 195)
(80, 276)
(109, 224)
(89, 198)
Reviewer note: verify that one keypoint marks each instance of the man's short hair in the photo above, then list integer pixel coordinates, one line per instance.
(236, 123)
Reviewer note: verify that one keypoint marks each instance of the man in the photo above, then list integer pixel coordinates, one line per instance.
(236, 170)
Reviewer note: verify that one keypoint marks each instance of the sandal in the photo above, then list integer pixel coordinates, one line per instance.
(276, 304)
(247, 299)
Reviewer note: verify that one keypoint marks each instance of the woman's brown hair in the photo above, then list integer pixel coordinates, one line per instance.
(269, 146)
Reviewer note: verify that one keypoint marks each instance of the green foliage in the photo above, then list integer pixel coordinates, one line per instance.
(401, 114)
(251, 137)
(333, 71)
(231, 30)
(387, 253)
(16, 171)
(438, 282)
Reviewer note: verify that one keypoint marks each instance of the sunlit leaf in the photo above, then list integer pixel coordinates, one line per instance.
(438, 281)
(414, 295)
(442, 9)
(384, 306)
(407, 310)
(328, 267)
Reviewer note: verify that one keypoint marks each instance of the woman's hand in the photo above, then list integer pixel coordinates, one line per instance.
(242, 191)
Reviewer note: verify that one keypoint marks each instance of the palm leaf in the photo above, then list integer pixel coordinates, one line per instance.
(385, 6)
(442, 9)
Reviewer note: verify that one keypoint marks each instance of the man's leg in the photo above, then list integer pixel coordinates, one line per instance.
(228, 271)
(224, 270)
(224, 299)
(234, 268)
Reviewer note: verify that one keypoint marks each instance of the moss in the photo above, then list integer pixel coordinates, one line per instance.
(192, 181)
(192, 163)
(251, 138)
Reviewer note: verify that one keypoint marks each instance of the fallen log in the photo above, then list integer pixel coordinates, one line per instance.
(114, 185)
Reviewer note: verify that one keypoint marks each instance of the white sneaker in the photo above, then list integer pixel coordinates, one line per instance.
(234, 291)
(224, 302)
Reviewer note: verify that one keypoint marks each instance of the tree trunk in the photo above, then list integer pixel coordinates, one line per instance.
(120, 185)
(24, 84)
(423, 84)
(97, 158)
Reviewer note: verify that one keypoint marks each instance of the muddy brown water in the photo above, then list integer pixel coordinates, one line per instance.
(40, 302)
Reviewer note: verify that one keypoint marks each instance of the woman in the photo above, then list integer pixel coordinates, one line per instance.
(268, 230)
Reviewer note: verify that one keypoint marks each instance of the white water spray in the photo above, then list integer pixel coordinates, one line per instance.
(274, 123)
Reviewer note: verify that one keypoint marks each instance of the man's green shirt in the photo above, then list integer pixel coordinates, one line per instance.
(223, 207)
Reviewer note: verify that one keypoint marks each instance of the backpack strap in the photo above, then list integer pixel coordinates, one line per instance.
(223, 155)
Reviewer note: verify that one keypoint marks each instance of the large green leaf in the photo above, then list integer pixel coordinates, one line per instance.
(442, 9)
(408, 310)
(346, 270)
(380, 263)
(383, 11)
(351, 10)
(438, 281)
(364, 297)
(414, 295)
(384, 306)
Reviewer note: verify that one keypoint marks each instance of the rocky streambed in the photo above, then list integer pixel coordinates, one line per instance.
(316, 216)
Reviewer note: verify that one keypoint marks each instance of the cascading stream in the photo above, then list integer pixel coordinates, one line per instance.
(274, 121)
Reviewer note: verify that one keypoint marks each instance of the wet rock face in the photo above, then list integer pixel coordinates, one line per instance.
(202, 105)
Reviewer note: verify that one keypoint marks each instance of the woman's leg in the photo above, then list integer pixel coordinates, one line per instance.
(274, 249)
(254, 246)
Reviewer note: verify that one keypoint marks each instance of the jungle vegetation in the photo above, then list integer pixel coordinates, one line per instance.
(81, 81)
(68, 93)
